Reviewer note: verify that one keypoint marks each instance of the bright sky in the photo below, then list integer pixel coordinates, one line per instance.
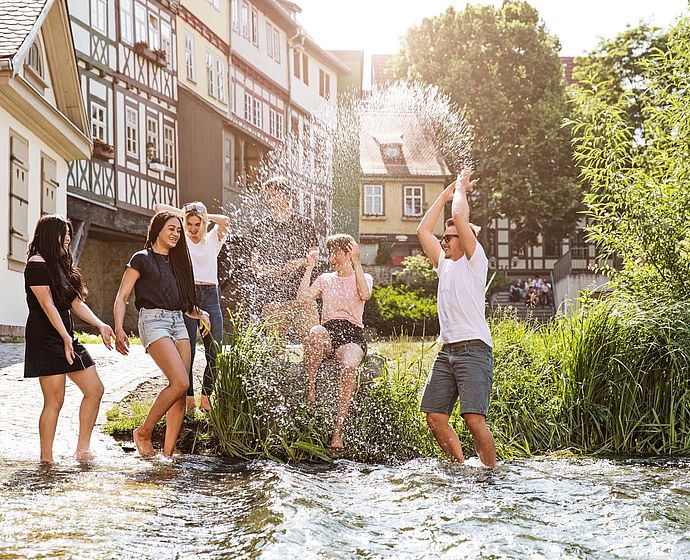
(376, 26)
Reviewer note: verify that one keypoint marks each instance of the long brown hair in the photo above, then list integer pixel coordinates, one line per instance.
(48, 242)
(180, 260)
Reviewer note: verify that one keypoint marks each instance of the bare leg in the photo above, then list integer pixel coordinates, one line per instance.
(316, 344)
(191, 403)
(53, 389)
(483, 440)
(349, 357)
(167, 358)
(445, 435)
(205, 403)
(91, 387)
(175, 416)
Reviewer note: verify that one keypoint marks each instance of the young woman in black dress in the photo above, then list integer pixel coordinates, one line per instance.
(163, 283)
(54, 288)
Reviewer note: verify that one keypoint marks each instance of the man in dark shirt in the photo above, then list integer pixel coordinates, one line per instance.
(281, 242)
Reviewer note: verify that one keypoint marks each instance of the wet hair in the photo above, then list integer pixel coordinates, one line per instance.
(475, 228)
(339, 242)
(279, 183)
(180, 260)
(197, 209)
(48, 242)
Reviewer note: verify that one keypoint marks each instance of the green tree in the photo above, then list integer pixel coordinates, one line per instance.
(502, 67)
(639, 203)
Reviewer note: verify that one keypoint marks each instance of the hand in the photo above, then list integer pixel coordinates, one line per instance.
(107, 335)
(204, 322)
(121, 342)
(69, 350)
(355, 252)
(464, 180)
(312, 258)
(448, 192)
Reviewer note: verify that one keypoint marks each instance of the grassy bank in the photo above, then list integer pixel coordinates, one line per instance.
(610, 379)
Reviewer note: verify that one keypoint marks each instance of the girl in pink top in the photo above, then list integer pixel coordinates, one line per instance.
(341, 331)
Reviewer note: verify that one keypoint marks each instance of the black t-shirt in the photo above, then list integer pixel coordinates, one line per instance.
(276, 243)
(37, 273)
(156, 288)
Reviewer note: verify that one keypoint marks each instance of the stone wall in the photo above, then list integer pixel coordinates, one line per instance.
(382, 274)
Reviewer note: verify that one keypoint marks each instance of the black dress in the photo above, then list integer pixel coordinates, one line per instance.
(45, 351)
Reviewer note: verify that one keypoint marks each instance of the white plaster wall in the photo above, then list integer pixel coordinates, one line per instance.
(567, 290)
(13, 310)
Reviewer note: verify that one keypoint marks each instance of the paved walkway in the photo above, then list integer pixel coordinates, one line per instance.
(21, 399)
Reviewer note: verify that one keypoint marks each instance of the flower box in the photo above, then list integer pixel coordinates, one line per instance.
(103, 151)
(159, 57)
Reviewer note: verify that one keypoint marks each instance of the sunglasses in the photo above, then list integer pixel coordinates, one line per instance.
(446, 238)
(195, 207)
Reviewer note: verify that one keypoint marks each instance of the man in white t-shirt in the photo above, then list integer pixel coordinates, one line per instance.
(464, 365)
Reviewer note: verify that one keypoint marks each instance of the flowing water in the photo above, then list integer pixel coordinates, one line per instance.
(206, 507)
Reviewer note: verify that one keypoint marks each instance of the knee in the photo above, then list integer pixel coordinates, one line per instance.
(317, 336)
(97, 391)
(475, 422)
(436, 421)
(179, 387)
(54, 404)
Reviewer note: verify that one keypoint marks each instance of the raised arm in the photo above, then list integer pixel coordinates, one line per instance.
(129, 278)
(84, 312)
(305, 292)
(425, 229)
(223, 224)
(160, 207)
(460, 212)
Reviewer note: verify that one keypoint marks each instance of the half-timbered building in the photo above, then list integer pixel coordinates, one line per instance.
(43, 127)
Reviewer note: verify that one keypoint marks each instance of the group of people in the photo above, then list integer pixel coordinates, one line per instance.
(534, 291)
(175, 284)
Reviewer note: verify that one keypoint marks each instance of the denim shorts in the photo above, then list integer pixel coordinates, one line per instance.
(155, 324)
(462, 369)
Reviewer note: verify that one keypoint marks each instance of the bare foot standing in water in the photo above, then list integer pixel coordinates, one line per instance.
(54, 290)
(163, 283)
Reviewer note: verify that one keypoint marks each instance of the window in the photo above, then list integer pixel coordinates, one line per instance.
(324, 84)
(152, 134)
(255, 28)
(126, 20)
(99, 15)
(140, 23)
(248, 107)
(305, 68)
(235, 15)
(245, 20)
(220, 75)
(98, 121)
(373, 200)
(189, 55)
(413, 201)
(210, 74)
(169, 146)
(273, 42)
(34, 60)
(280, 125)
(258, 113)
(166, 41)
(49, 185)
(19, 197)
(131, 123)
(552, 247)
(297, 63)
(273, 122)
(154, 32)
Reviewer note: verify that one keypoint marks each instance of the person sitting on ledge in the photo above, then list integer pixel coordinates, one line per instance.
(341, 332)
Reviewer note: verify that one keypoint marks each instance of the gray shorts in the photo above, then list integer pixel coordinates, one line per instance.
(155, 324)
(463, 369)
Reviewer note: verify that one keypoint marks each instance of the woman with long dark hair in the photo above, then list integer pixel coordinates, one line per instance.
(54, 290)
(163, 283)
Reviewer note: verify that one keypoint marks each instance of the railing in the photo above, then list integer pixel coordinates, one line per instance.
(577, 259)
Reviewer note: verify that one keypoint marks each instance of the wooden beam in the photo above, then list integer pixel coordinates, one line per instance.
(81, 232)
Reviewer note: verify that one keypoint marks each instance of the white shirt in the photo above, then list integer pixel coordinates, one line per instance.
(461, 308)
(205, 257)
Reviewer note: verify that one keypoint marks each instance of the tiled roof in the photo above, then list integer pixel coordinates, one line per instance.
(17, 19)
(381, 70)
(420, 155)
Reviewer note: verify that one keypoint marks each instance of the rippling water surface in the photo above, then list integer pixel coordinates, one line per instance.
(122, 507)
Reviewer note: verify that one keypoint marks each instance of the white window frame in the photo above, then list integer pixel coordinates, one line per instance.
(220, 80)
(258, 113)
(189, 56)
(166, 42)
(248, 107)
(98, 121)
(373, 200)
(126, 21)
(152, 135)
(235, 8)
(254, 27)
(276, 45)
(272, 122)
(169, 146)
(413, 194)
(281, 125)
(132, 131)
(99, 16)
(210, 74)
(140, 24)
(154, 24)
(297, 63)
(34, 59)
(245, 20)
(269, 39)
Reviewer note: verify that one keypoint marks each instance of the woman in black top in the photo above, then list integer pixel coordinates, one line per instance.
(54, 287)
(163, 283)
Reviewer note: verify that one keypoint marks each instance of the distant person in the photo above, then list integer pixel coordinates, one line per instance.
(54, 290)
(280, 243)
(464, 365)
(204, 247)
(341, 332)
(163, 283)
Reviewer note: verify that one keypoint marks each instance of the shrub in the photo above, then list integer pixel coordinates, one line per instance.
(399, 310)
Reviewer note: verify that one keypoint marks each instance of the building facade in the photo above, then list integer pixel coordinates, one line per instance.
(43, 128)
